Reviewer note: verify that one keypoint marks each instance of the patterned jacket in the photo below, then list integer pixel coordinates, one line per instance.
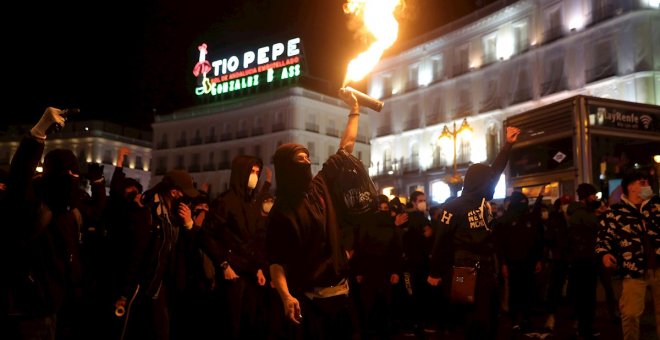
(622, 234)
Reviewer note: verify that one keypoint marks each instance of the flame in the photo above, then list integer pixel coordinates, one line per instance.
(379, 21)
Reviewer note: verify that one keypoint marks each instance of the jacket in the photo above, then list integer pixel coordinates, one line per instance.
(622, 232)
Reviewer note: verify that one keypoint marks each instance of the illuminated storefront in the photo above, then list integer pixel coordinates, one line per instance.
(584, 140)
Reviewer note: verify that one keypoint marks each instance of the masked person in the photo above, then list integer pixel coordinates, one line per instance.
(233, 219)
(464, 238)
(41, 234)
(308, 264)
(629, 241)
(160, 233)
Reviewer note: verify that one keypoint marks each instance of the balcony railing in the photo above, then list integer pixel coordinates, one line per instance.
(412, 124)
(196, 141)
(211, 139)
(601, 13)
(312, 127)
(209, 167)
(384, 130)
(277, 127)
(552, 34)
(257, 131)
(332, 132)
(181, 143)
(193, 168)
(600, 72)
(226, 136)
(223, 166)
(241, 134)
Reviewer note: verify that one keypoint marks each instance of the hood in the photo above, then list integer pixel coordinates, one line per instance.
(479, 182)
(241, 168)
(292, 178)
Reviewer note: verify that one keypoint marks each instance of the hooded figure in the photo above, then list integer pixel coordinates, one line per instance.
(464, 238)
(59, 186)
(233, 219)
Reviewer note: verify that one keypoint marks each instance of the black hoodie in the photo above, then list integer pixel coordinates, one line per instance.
(463, 233)
(233, 218)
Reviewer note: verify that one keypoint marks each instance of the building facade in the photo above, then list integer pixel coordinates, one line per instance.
(92, 142)
(205, 139)
(502, 60)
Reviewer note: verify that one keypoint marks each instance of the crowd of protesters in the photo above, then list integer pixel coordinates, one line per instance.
(325, 257)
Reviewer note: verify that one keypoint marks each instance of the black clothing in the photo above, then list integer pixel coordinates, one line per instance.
(464, 238)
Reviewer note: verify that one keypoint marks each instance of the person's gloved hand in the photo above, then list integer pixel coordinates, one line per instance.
(94, 172)
(51, 116)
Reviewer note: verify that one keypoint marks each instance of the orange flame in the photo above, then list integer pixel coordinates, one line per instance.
(379, 21)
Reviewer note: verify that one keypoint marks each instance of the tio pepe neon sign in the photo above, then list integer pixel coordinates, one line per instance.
(267, 64)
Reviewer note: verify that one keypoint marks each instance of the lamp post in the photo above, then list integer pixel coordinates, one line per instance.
(455, 180)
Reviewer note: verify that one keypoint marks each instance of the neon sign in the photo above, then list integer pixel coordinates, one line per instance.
(265, 65)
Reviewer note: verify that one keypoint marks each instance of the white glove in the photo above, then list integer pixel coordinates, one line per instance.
(51, 116)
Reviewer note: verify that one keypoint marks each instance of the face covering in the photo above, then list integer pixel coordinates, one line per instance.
(646, 193)
(421, 206)
(252, 181)
(267, 206)
(545, 215)
(564, 208)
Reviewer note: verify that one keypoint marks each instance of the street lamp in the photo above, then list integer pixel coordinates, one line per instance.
(465, 131)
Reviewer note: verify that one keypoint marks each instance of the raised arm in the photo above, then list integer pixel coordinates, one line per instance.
(350, 132)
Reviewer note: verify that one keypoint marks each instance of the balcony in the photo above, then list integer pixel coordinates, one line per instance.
(211, 139)
(600, 72)
(181, 143)
(384, 130)
(193, 168)
(311, 127)
(604, 12)
(552, 34)
(554, 85)
(224, 166)
(460, 69)
(411, 85)
(241, 134)
(257, 131)
(196, 141)
(412, 166)
(226, 136)
(412, 124)
(332, 132)
(209, 167)
(277, 127)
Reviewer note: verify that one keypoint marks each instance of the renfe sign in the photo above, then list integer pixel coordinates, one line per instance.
(279, 61)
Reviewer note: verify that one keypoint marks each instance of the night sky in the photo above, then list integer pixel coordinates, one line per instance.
(124, 61)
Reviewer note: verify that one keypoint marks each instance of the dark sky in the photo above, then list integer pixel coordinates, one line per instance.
(124, 61)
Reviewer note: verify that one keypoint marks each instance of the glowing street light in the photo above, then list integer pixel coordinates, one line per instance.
(447, 137)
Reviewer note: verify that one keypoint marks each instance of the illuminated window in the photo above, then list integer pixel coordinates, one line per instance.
(413, 77)
(438, 67)
(520, 36)
(461, 60)
(490, 48)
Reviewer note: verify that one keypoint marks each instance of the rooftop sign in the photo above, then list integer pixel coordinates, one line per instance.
(253, 68)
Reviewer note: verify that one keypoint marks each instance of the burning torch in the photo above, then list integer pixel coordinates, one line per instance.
(381, 24)
(363, 99)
